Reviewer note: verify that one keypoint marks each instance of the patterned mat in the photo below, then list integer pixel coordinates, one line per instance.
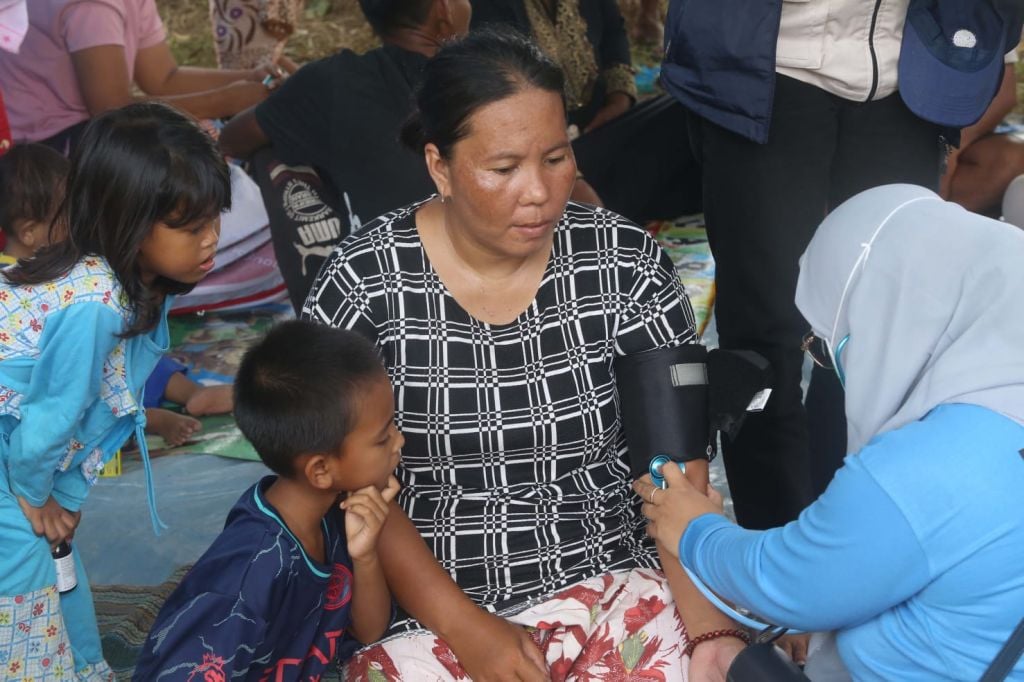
(686, 241)
(125, 614)
(211, 345)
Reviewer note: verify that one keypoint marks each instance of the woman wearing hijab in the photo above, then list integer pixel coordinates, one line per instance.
(914, 553)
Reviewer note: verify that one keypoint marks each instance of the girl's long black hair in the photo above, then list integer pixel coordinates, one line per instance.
(135, 166)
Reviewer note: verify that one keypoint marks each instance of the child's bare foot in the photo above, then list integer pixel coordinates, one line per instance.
(174, 428)
(211, 400)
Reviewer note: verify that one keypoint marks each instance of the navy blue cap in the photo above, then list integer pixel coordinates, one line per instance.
(951, 60)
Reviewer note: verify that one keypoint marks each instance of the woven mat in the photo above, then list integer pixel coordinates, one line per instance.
(125, 614)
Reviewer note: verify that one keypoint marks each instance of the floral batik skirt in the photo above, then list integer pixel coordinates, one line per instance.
(619, 626)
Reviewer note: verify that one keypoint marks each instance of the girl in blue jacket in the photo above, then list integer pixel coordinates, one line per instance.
(81, 327)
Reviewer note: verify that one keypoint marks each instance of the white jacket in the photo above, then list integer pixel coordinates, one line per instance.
(850, 48)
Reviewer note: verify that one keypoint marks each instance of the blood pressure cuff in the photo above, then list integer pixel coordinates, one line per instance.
(673, 401)
(740, 382)
(663, 403)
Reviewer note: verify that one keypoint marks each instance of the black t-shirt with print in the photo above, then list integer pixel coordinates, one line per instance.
(342, 115)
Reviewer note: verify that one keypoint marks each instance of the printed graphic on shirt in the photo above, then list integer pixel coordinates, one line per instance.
(300, 201)
(339, 589)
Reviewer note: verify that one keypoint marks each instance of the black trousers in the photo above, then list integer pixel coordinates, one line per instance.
(762, 204)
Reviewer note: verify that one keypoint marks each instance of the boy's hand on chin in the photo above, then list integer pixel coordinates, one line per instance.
(366, 510)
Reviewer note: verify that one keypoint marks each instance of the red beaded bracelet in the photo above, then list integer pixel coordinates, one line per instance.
(715, 634)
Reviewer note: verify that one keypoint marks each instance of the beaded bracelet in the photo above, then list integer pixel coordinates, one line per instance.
(715, 634)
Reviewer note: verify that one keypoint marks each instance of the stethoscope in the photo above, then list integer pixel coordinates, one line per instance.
(770, 632)
(657, 462)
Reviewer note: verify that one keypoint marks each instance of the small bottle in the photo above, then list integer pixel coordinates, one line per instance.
(64, 561)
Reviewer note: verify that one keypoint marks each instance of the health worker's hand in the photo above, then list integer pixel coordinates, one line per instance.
(671, 509)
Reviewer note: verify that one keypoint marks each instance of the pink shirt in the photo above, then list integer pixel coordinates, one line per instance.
(39, 84)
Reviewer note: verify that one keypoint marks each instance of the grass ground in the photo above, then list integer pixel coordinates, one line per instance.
(341, 25)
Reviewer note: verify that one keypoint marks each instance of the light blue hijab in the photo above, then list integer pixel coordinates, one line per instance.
(932, 298)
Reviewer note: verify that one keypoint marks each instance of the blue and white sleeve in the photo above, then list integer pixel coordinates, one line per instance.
(66, 380)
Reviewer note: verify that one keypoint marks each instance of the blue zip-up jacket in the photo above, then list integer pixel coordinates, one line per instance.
(70, 387)
(720, 61)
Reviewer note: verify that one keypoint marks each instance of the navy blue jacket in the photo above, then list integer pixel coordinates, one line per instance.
(720, 61)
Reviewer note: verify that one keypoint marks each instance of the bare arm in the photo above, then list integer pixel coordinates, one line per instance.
(488, 647)
(366, 511)
(697, 613)
(711, 659)
(102, 74)
(371, 600)
(158, 74)
(418, 582)
(242, 135)
(1002, 104)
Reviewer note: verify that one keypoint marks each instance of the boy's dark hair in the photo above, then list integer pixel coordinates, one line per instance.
(388, 16)
(297, 390)
(32, 180)
(135, 166)
(465, 75)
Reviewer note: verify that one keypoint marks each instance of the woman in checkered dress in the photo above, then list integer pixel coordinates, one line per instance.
(499, 309)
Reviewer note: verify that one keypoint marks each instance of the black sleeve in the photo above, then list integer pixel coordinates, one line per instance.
(297, 116)
(500, 13)
(614, 47)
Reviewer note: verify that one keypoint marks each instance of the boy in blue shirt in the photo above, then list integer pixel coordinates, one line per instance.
(273, 597)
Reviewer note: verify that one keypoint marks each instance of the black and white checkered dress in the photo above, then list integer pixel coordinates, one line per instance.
(513, 468)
